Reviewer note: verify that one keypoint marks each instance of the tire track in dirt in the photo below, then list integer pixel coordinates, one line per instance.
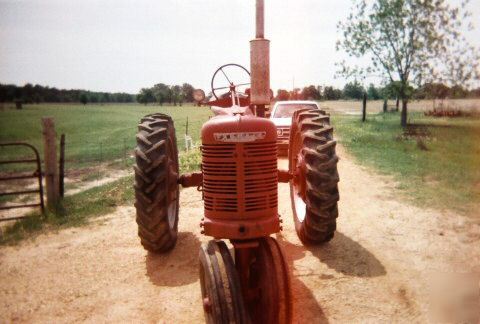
(375, 269)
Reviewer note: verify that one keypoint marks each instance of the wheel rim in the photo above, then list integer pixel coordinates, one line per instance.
(173, 191)
(298, 183)
(221, 294)
(209, 298)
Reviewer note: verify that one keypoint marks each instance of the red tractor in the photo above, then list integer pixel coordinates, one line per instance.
(239, 183)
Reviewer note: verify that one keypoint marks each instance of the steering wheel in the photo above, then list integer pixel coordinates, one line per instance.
(230, 72)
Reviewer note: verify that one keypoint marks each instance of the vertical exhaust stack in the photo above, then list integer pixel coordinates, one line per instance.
(260, 64)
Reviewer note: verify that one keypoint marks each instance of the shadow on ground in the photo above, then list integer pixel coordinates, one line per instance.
(347, 256)
(342, 254)
(179, 266)
(306, 308)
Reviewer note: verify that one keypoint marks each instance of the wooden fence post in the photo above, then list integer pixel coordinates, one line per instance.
(51, 170)
(61, 166)
(364, 108)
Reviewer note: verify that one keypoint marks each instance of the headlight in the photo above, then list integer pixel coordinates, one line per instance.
(198, 95)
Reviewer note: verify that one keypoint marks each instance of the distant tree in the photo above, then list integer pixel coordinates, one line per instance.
(373, 93)
(458, 92)
(353, 90)
(106, 97)
(330, 93)
(38, 93)
(146, 96)
(187, 92)
(84, 98)
(161, 93)
(311, 93)
(176, 91)
(391, 90)
(93, 97)
(435, 91)
(474, 93)
(295, 94)
(283, 95)
(37, 98)
(409, 40)
(27, 93)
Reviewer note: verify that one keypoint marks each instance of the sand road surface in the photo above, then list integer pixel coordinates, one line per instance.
(376, 269)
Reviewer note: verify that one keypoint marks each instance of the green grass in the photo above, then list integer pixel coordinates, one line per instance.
(93, 132)
(75, 210)
(437, 163)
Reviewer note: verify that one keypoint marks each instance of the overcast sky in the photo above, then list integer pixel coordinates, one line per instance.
(124, 45)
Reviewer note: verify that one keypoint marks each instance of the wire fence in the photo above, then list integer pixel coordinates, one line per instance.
(81, 152)
(108, 151)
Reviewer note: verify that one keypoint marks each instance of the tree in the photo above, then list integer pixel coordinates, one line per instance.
(311, 93)
(436, 91)
(330, 93)
(175, 91)
(409, 41)
(161, 93)
(282, 95)
(187, 92)
(295, 94)
(373, 93)
(83, 98)
(353, 90)
(457, 92)
(146, 96)
(93, 97)
(28, 92)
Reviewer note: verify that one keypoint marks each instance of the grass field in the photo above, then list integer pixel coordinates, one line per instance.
(94, 133)
(437, 161)
(376, 106)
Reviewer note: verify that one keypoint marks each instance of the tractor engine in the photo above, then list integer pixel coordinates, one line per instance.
(239, 165)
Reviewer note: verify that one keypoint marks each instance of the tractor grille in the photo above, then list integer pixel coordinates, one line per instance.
(260, 171)
(240, 178)
(283, 133)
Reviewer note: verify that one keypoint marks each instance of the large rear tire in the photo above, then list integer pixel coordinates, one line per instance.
(314, 187)
(156, 188)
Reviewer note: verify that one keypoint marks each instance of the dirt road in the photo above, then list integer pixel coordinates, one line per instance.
(375, 269)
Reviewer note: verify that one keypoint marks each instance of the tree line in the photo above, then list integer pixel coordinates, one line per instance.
(161, 93)
(178, 94)
(355, 91)
(37, 94)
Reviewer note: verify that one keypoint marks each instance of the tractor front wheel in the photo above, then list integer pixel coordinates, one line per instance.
(267, 283)
(156, 187)
(221, 293)
(314, 186)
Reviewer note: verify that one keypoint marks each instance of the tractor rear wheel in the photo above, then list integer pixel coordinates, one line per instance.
(221, 294)
(314, 186)
(156, 188)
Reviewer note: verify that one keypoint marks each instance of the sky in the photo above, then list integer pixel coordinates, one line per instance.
(125, 45)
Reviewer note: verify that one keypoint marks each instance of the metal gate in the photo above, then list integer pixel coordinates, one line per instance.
(37, 173)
